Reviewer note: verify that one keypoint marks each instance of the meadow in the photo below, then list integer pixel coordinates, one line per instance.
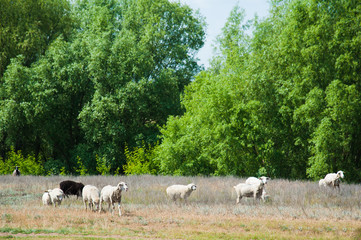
(295, 210)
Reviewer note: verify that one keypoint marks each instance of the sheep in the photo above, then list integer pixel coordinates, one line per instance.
(333, 179)
(16, 171)
(249, 190)
(56, 196)
(180, 191)
(112, 194)
(91, 194)
(254, 180)
(72, 188)
(46, 198)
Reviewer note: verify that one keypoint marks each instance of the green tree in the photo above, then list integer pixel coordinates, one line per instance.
(283, 102)
(142, 54)
(28, 27)
(108, 79)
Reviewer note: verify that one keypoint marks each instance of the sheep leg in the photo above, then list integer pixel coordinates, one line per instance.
(120, 212)
(113, 207)
(100, 205)
(85, 204)
(238, 199)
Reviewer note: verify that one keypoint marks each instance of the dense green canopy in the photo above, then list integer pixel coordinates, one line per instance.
(284, 101)
(97, 86)
(102, 74)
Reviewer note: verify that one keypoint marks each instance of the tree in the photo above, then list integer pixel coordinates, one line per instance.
(142, 54)
(28, 27)
(283, 102)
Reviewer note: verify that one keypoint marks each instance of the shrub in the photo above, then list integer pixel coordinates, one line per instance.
(28, 165)
(140, 161)
(103, 166)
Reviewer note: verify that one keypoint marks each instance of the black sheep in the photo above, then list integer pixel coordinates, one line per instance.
(16, 171)
(72, 188)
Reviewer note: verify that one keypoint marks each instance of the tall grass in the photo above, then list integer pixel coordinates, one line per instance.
(214, 196)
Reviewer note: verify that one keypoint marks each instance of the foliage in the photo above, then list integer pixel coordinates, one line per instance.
(81, 170)
(83, 78)
(28, 27)
(283, 101)
(103, 166)
(93, 76)
(27, 165)
(140, 161)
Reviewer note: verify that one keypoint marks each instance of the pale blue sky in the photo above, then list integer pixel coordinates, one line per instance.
(216, 13)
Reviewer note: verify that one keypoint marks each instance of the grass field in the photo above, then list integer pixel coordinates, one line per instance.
(295, 210)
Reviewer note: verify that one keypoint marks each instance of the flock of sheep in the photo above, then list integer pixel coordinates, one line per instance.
(253, 187)
(91, 195)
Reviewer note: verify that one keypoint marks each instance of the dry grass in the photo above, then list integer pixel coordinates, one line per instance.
(296, 210)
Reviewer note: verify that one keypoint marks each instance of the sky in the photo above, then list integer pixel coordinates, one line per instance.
(216, 13)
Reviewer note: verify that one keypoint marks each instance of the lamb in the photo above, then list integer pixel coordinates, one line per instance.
(91, 194)
(332, 180)
(254, 180)
(16, 171)
(72, 188)
(112, 194)
(180, 191)
(56, 195)
(249, 190)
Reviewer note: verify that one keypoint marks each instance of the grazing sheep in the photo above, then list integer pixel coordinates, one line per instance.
(56, 196)
(112, 195)
(16, 171)
(249, 190)
(180, 191)
(333, 179)
(91, 194)
(72, 188)
(254, 180)
(46, 198)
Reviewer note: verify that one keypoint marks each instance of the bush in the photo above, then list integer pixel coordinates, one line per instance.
(140, 161)
(27, 165)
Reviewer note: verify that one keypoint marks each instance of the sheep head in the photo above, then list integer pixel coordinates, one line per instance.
(122, 186)
(192, 186)
(340, 174)
(264, 179)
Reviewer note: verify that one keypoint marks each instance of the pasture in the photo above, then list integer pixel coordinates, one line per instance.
(295, 210)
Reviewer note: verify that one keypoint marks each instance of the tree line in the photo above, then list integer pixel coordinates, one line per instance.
(113, 87)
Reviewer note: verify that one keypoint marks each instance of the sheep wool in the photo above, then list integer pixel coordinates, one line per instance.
(334, 179)
(249, 190)
(254, 180)
(46, 198)
(180, 191)
(91, 196)
(111, 195)
(56, 196)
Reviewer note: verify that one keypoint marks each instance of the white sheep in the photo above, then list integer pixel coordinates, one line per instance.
(180, 191)
(333, 179)
(91, 194)
(112, 194)
(254, 180)
(56, 196)
(249, 190)
(46, 198)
